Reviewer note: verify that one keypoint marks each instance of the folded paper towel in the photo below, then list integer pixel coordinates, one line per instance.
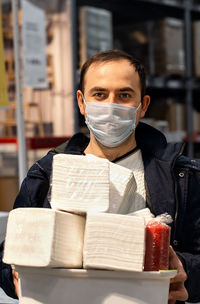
(122, 189)
(114, 241)
(44, 238)
(80, 183)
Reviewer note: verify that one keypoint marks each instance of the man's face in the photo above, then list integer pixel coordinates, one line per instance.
(114, 82)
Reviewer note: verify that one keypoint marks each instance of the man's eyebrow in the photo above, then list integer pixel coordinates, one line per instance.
(100, 89)
(97, 89)
(127, 89)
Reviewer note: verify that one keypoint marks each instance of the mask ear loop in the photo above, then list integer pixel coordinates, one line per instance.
(85, 104)
(83, 98)
(139, 106)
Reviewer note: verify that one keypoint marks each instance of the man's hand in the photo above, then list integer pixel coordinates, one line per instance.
(15, 282)
(177, 290)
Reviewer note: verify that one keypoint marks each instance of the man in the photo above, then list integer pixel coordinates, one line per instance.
(112, 99)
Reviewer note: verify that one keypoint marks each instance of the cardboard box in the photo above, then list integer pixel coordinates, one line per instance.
(169, 47)
(172, 112)
(196, 39)
(9, 187)
(196, 121)
(95, 27)
(176, 116)
(158, 44)
(42, 286)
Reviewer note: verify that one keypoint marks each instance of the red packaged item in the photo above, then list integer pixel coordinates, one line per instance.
(157, 244)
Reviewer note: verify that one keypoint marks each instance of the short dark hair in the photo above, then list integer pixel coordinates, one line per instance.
(113, 55)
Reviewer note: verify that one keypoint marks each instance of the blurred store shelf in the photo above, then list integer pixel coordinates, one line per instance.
(33, 143)
(143, 10)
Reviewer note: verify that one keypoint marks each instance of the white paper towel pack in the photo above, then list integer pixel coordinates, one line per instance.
(43, 237)
(122, 186)
(122, 189)
(80, 183)
(114, 241)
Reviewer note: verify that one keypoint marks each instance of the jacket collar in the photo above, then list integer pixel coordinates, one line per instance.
(154, 143)
(77, 144)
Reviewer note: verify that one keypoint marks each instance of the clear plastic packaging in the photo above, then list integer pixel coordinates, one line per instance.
(157, 243)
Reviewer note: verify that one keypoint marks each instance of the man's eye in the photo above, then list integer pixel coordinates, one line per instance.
(98, 95)
(124, 95)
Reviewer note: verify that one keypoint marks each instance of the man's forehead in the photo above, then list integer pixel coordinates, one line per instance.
(100, 64)
(116, 68)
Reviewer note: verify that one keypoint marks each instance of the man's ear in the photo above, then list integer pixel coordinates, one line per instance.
(81, 104)
(145, 105)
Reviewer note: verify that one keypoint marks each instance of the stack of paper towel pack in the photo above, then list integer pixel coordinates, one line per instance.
(43, 237)
(83, 227)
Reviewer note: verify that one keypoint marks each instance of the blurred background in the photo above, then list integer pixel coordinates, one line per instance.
(164, 34)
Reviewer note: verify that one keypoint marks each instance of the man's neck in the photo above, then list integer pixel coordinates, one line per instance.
(99, 150)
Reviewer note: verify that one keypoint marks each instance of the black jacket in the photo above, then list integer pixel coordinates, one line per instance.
(173, 182)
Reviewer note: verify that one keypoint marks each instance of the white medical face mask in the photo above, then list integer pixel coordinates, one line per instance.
(110, 123)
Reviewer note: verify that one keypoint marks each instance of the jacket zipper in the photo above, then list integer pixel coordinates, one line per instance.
(175, 190)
